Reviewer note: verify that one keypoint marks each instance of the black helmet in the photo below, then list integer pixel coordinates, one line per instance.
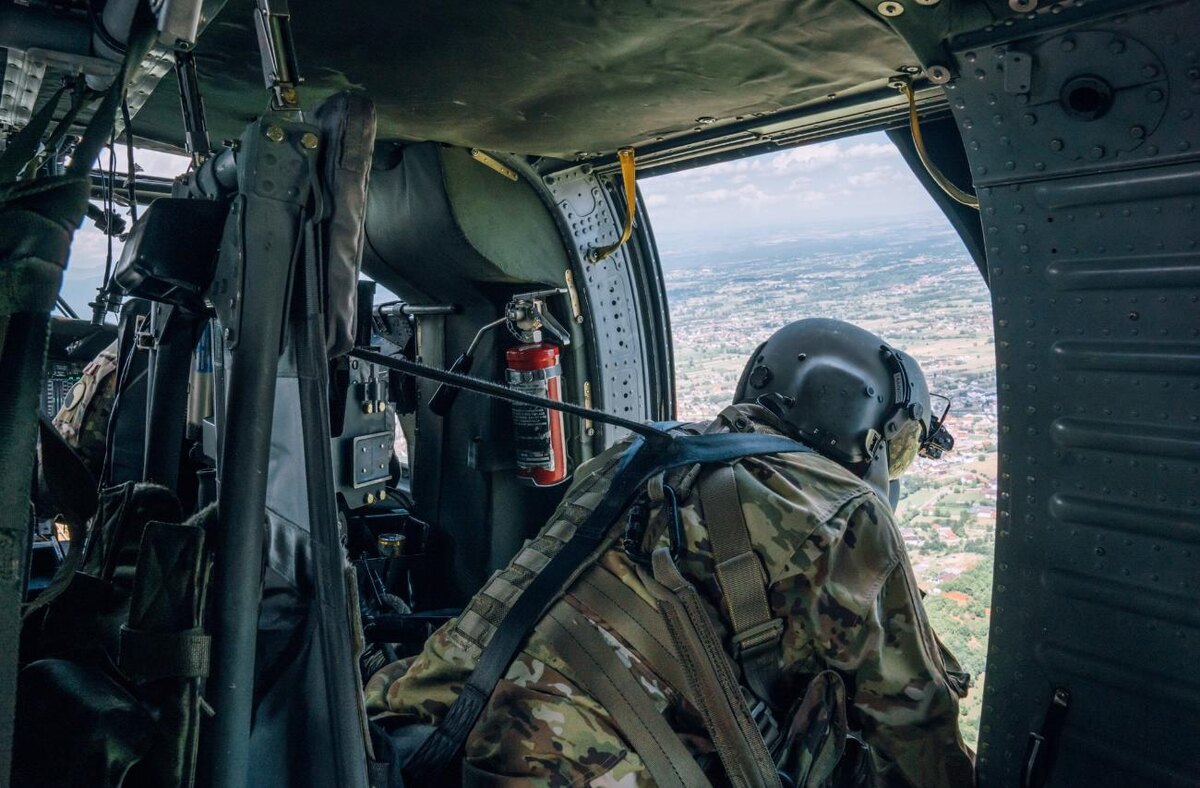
(845, 392)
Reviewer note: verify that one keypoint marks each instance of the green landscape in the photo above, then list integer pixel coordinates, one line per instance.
(920, 292)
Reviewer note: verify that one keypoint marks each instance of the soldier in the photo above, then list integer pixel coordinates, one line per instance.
(844, 656)
(83, 418)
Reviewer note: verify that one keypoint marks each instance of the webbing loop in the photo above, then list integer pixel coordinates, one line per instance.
(627, 158)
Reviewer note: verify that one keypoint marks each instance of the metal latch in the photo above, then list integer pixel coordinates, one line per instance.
(1018, 71)
(1043, 745)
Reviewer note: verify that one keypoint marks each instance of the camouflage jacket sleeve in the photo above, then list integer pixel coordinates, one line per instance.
(872, 628)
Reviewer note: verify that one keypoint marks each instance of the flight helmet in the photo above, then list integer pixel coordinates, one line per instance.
(846, 393)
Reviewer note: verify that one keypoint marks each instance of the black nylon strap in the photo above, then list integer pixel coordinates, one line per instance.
(637, 465)
(67, 479)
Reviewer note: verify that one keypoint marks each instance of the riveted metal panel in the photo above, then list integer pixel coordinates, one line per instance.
(1082, 134)
(613, 302)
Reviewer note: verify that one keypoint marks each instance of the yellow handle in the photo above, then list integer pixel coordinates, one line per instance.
(914, 124)
(629, 178)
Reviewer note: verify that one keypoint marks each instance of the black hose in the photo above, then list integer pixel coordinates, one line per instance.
(129, 177)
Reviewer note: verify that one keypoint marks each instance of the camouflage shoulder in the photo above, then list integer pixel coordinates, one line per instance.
(83, 418)
(797, 506)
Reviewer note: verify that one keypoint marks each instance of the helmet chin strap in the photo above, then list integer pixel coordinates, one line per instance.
(876, 476)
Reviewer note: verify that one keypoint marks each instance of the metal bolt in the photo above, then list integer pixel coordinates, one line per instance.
(1149, 71)
(1068, 45)
(275, 134)
(1154, 96)
(891, 9)
(928, 2)
(1116, 46)
(369, 498)
(1097, 152)
(1022, 6)
(382, 494)
(706, 120)
(1137, 132)
(938, 75)
(368, 407)
(1056, 144)
(380, 406)
(309, 140)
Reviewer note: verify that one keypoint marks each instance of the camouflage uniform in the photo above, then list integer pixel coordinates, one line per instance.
(839, 579)
(83, 418)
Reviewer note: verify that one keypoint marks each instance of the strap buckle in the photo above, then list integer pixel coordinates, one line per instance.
(763, 719)
(752, 642)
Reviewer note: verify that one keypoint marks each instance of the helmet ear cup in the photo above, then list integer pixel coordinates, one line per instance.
(904, 447)
(739, 393)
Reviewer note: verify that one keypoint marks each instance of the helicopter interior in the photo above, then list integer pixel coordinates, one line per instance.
(479, 161)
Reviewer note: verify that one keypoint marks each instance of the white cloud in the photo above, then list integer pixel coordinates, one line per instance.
(749, 194)
(809, 157)
(876, 177)
(89, 250)
(870, 150)
(166, 165)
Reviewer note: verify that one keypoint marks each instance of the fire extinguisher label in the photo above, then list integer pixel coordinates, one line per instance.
(531, 427)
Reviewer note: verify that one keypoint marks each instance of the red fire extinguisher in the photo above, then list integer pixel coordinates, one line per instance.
(539, 439)
(533, 368)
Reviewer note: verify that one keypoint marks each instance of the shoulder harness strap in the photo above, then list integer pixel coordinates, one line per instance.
(637, 622)
(610, 682)
(710, 678)
(757, 633)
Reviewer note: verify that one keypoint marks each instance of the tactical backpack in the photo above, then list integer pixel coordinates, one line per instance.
(675, 636)
(115, 654)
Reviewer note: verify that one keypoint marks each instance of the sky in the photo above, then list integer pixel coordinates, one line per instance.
(85, 265)
(836, 185)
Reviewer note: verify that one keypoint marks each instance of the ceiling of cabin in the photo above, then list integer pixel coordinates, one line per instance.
(547, 77)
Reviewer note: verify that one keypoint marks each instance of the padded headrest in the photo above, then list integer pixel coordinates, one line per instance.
(438, 219)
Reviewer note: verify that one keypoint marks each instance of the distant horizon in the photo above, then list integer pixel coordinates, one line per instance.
(856, 187)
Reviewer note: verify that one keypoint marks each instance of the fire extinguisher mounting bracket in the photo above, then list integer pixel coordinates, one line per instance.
(526, 317)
